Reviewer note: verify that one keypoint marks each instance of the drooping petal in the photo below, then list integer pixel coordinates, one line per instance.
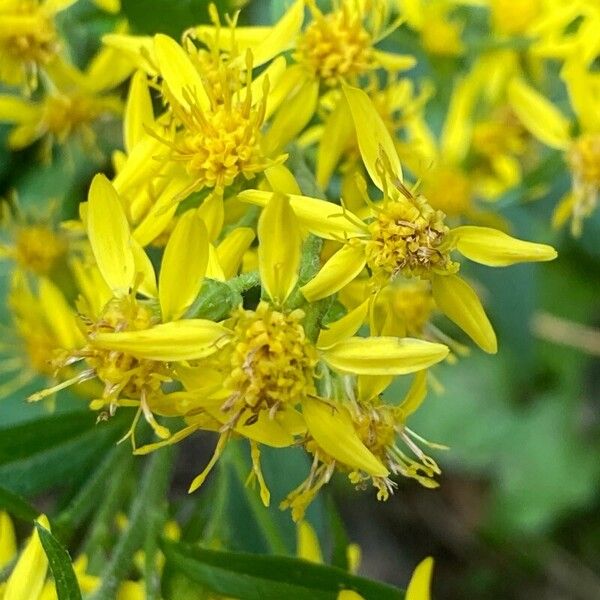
(415, 395)
(183, 266)
(324, 219)
(497, 249)
(373, 136)
(419, 586)
(187, 339)
(343, 267)
(279, 248)
(138, 111)
(179, 73)
(384, 355)
(459, 302)
(333, 430)
(230, 251)
(109, 235)
(345, 327)
(539, 115)
(27, 578)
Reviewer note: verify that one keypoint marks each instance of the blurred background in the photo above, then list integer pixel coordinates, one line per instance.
(517, 514)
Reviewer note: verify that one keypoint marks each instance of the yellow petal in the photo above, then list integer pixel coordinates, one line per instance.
(292, 117)
(497, 249)
(27, 578)
(59, 314)
(230, 251)
(24, 135)
(212, 212)
(279, 248)
(459, 302)
(282, 180)
(281, 36)
(343, 267)
(264, 431)
(325, 219)
(415, 395)
(308, 546)
(384, 355)
(139, 114)
(17, 110)
(334, 142)
(419, 586)
(373, 136)
(390, 61)
(179, 73)
(8, 540)
(456, 135)
(145, 275)
(370, 386)
(349, 595)
(345, 327)
(136, 48)
(183, 266)
(108, 232)
(539, 115)
(188, 339)
(213, 267)
(333, 430)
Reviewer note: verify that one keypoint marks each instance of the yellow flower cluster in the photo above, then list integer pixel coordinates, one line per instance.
(218, 280)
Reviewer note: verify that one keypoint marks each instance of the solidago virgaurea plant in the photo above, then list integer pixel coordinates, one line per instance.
(246, 254)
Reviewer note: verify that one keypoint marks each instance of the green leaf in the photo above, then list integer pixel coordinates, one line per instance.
(17, 506)
(65, 580)
(254, 577)
(58, 449)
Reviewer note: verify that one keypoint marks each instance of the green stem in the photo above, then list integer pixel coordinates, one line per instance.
(244, 282)
(151, 492)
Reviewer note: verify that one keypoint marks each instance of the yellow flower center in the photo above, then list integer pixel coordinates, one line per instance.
(34, 39)
(335, 46)
(406, 239)
(449, 190)
(63, 114)
(272, 362)
(38, 248)
(122, 374)
(584, 160)
(514, 16)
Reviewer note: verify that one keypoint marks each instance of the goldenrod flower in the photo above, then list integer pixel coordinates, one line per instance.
(403, 235)
(130, 342)
(581, 152)
(28, 38)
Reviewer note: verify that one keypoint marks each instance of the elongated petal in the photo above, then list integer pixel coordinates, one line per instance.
(334, 431)
(334, 141)
(59, 315)
(136, 48)
(282, 180)
(419, 586)
(338, 271)
(370, 386)
(281, 36)
(213, 267)
(384, 355)
(456, 134)
(109, 235)
(230, 251)
(183, 266)
(345, 327)
(138, 111)
(390, 61)
(179, 73)
(415, 395)
(308, 546)
(539, 115)
(292, 117)
(325, 219)
(17, 110)
(188, 339)
(373, 136)
(459, 302)
(8, 540)
(497, 249)
(27, 578)
(212, 212)
(279, 248)
(144, 271)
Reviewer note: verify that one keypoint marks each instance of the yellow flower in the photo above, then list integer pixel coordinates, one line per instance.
(28, 38)
(130, 343)
(403, 235)
(8, 542)
(581, 152)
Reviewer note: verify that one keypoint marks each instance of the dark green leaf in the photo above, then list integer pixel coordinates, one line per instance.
(65, 580)
(17, 506)
(59, 449)
(253, 577)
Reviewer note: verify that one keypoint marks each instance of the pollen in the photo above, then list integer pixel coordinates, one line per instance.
(272, 363)
(336, 46)
(38, 248)
(406, 239)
